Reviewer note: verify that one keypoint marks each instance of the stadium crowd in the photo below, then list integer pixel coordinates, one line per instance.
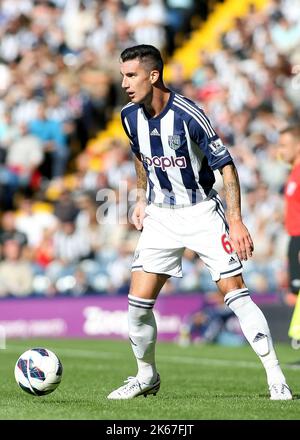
(64, 222)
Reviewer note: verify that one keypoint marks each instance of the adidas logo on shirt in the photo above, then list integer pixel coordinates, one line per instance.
(154, 132)
(232, 260)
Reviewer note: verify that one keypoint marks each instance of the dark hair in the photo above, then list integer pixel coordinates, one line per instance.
(147, 54)
(294, 130)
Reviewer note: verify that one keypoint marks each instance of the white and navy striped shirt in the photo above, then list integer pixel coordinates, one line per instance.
(179, 150)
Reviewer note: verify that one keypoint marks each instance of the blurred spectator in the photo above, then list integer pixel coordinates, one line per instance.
(86, 221)
(8, 134)
(65, 208)
(87, 178)
(179, 14)
(214, 323)
(51, 133)
(285, 35)
(8, 229)
(24, 156)
(177, 77)
(44, 252)
(26, 106)
(147, 20)
(119, 167)
(113, 16)
(70, 244)
(80, 17)
(16, 275)
(79, 107)
(33, 222)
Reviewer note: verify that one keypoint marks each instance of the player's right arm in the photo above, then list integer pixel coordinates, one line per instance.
(138, 214)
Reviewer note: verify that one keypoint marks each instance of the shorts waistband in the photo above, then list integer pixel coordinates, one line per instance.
(210, 195)
(166, 205)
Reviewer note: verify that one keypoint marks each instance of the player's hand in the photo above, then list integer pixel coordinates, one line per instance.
(138, 215)
(241, 240)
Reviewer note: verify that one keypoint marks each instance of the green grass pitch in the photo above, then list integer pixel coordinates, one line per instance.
(198, 383)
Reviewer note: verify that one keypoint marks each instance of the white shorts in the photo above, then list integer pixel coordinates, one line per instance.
(202, 228)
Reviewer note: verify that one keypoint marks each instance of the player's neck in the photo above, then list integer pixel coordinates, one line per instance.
(158, 101)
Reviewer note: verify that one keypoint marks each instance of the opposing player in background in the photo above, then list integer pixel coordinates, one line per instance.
(176, 150)
(289, 151)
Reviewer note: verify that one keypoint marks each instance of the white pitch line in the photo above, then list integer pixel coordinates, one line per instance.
(208, 361)
(90, 354)
(69, 352)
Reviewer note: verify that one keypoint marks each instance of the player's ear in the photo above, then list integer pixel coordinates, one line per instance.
(154, 76)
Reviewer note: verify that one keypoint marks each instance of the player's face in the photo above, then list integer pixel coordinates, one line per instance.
(287, 148)
(137, 81)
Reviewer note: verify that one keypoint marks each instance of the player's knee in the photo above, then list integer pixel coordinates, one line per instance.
(227, 285)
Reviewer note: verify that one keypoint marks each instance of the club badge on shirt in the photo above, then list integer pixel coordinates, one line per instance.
(174, 141)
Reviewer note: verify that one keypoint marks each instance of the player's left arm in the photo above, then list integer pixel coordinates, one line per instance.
(220, 159)
(238, 233)
(138, 214)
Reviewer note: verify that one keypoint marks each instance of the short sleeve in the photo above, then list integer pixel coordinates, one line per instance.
(203, 134)
(133, 144)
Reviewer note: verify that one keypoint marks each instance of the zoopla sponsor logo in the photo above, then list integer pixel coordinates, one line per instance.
(164, 162)
(114, 322)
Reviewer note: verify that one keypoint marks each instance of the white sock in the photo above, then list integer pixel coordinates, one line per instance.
(256, 330)
(142, 335)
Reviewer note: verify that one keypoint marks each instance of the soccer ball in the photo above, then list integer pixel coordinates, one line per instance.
(38, 371)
